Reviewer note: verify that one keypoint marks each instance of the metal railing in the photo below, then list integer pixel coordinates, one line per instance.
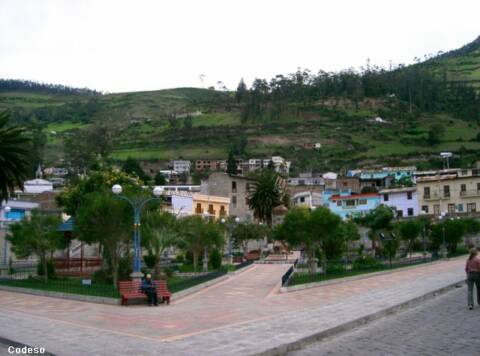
(288, 274)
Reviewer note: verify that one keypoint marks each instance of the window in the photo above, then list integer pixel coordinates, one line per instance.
(234, 201)
(385, 197)
(222, 210)
(463, 189)
(410, 211)
(409, 195)
(451, 208)
(446, 191)
(302, 200)
(234, 187)
(339, 203)
(478, 186)
(460, 208)
(362, 201)
(350, 202)
(436, 209)
(210, 209)
(471, 207)
(425, 208)
(399, 213)
(199, 209)
(426, 192)
(345, 184)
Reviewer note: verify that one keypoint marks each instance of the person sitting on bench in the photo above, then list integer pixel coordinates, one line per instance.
(150, 289)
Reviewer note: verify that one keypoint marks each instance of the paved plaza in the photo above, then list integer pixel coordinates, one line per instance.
(442, 326)
(242, 315)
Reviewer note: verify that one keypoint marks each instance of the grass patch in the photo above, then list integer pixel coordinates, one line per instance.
(65, 126)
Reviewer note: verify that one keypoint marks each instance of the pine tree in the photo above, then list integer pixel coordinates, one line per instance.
(231, 164)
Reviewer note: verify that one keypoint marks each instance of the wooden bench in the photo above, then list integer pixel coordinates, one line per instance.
(132, 290)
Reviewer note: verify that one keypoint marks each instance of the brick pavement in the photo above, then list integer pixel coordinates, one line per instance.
(242, 315)
(442, 327)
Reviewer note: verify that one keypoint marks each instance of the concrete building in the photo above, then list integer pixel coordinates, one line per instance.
(351, 205)
(181, 166)
(306, 179)
(307, 199)
(200, 204)
(17, 211)
(402, 200)
(236, 188)
(450, 191)
(211, 165)
(376, 180)
(351, 184)
(37, 186)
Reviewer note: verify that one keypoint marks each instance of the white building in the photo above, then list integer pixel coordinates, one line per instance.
(37, 186)
(308, 199)
(181, 166)
(403, 200)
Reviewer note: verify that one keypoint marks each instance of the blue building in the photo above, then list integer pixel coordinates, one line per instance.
(350, 205)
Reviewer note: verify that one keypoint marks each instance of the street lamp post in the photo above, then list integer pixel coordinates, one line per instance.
(137, 206)
(6, 210)
(444, 243)
(230, 226)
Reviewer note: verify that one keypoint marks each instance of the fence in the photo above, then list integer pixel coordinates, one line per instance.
(29, 279)
(77, 266)
(339, 269)
(178, 284)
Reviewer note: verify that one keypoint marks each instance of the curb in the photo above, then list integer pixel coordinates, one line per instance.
(299, 287)
(299, 344)
(70, 296)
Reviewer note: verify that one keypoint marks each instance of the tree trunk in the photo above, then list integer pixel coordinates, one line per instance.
(45, 269)
(115, 268)
(195, 260)
(157, 266)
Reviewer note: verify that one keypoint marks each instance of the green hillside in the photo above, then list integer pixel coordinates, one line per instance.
(198, 123)
(462, 64)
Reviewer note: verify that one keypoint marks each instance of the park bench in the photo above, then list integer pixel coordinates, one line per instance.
(132, 290)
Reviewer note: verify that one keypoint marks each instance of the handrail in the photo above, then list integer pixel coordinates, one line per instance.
(288, 274)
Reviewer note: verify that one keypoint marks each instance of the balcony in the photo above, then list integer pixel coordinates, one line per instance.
(436, 196)
(470, 193)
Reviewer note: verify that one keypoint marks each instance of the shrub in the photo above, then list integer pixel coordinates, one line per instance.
(168, 272)
(50, 269)
(366, 262)
(215, 259)
(125, 268)
(149, 261)
(189, 258)
(335, 268)
(180, 258)
(102, 276)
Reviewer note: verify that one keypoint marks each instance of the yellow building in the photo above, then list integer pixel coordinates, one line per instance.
(457, 192)
(214, 206)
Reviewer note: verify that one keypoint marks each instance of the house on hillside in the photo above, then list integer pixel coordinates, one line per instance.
(236, 188)
(403, 201)
(350, 205)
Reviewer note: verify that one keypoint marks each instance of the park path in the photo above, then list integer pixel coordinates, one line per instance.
(242, 315)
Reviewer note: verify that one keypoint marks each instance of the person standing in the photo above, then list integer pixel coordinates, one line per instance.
(150, 289)
(473, 276)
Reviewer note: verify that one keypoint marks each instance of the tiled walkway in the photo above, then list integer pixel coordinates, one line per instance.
(243, 315)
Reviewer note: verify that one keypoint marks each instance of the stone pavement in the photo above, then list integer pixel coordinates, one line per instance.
(442, 326)
(243, 315)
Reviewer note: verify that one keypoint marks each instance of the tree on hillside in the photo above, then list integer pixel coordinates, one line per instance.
(241, 91)
(435, 133)
(108, 221)
(159, 232)
(409, 230)
(231, 164)
(15, 157)
(37, 236)
(160, 179)
(267, 193)
(131, 166)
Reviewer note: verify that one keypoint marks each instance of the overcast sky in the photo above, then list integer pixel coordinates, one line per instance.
(136, 45)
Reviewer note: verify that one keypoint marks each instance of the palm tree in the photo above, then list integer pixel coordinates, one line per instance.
(14, 157)
(267, 193)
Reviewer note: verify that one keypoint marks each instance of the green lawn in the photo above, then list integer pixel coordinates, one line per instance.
(65, 126)
(187, 152)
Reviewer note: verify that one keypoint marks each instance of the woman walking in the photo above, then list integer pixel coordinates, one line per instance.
(473, 276)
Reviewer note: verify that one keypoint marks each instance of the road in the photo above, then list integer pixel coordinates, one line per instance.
(441, 326)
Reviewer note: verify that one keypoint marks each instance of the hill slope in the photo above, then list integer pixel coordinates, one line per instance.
(144, 128)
